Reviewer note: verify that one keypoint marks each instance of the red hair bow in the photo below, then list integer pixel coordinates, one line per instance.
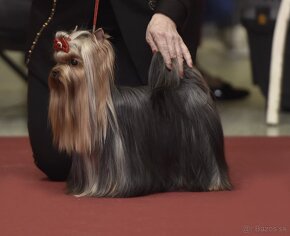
(61, 44)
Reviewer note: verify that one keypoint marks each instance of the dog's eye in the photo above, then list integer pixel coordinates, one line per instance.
(74, 62)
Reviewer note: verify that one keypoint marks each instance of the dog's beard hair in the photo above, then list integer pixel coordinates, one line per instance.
(84, 122)
(134, 141)
(67, 111)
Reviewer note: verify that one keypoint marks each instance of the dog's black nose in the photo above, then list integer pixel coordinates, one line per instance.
(54, 74)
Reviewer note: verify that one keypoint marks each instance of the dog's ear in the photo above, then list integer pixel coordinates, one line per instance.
(100, 34)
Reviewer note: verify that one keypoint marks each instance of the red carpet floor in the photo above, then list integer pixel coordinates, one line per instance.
(259, 204)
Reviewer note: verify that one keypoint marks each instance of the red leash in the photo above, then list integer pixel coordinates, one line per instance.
(95, 14)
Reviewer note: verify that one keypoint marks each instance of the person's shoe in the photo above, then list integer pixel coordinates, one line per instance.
(223, 91)
(226, 92)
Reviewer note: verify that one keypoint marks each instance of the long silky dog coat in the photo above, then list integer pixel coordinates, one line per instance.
(132, 141)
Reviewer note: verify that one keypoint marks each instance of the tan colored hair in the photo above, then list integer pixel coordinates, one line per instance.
(80, 97)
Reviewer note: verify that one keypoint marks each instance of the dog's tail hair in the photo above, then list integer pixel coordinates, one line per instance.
(160, 75)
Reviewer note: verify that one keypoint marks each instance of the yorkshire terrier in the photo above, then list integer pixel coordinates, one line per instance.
(132, 141)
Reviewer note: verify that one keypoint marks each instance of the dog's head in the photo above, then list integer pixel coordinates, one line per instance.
(80, 85)
(82, 58)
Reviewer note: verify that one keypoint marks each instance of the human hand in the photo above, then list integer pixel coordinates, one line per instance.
(162, 36)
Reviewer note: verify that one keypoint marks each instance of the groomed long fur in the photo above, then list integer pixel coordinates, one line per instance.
(127, 141)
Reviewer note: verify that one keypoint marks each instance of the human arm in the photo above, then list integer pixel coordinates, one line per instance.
(162, 31)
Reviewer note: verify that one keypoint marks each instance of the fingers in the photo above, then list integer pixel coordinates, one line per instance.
(170, 41)
(186, 54)
(151, 43)
(171, 47)
(179, 58)
(177, 50)
(163, 48)
(162, 36)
